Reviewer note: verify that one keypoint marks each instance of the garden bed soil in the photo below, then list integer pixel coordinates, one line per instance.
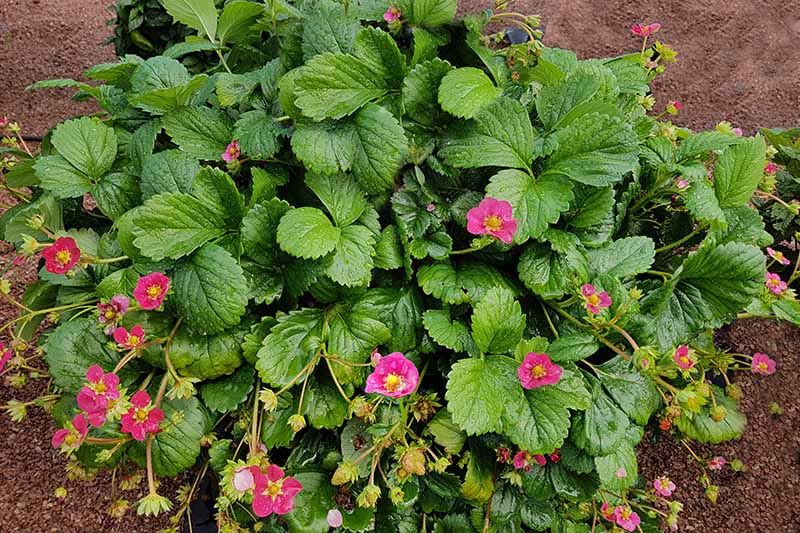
(737, 63)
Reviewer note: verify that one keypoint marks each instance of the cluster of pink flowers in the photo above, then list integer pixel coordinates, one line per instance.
(232, 152)
(98, 396)
(273, 491)
(492, 217)
(762, 364)
(394, 375)
(778, 256)
(595, 301)
(717, 463)
(771, 168)
(392, 14)
(683, 358)
(149, 293)
(537, 370)
(775, 284)
(523, 459)
(622, 515)
(71, 437)
(61, 256)
(142, 418)
(664, 486)
(112, 312)
(645, 30)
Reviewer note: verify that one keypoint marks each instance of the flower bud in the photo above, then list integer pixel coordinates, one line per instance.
(269, 399)
(734, 392)
(712, 493)
(675, 507)
(703, 389)
(413, 460)
(718, 413)
(29, 245)
(118, 508)
(664, 424)
(297, 422)
(60, 493)
(738, 466)
(397, 495)
(369, 496)
(36, 222)
(775, 409)
(5, 286)
(346, 472)
(440, 465)
(674, 411)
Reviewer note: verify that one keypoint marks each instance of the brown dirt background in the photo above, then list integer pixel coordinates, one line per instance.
(738, 61)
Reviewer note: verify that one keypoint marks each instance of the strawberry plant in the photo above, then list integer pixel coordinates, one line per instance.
(225, 256)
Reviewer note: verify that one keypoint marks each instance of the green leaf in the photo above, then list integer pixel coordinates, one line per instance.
(340, 194)
(257, 134)
(465, 91)
(478, 391)
(173, 225)
(744, 224)
(400, 309)
(556, 100)
(703, 142)
(205, 356)
(233, 88)
(497, 322)
(537, 203)
(712, 285)
(429, 13)
(738, 172)
(201, 132)
(468, 282)
(88, 145)
(622, 459)
(290, 346)
(259, 228)
(380, 148)
(116, 194)
(227, 393)
(355, 332)
(311, 504)
(701, 427)
(538, 420)
(602, 427)
(329, 29)
(594, 149)
(592, 206)
(236, 19)
(336, 85)
(445, 433)
(573, 347)
(210, 290)
(421, 89)
(548, 273)
(58, 177)
(501, 136)
(478, 483)
(275, 431)
(200, 15)
(378, 50)
(702, 203)
(306, 232)
(324, 147)
(623, 258)
(158, 73)
(168, 171)
(76, 345)
(324, 406)
(177, 446)
(388, 251)
(352, 261)
(445, 332)
(635, 393)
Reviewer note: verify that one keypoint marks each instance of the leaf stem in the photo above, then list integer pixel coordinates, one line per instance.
(677, 243)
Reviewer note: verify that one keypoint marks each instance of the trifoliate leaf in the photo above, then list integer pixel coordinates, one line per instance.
(497, 322)
(341, 195)
(210, 290)
(500, 136)
(306, 232)
(622, 258)
(465, 91)
(89, 145)
(738, 172)
(537, 203)
(478, 391)
(199, 131)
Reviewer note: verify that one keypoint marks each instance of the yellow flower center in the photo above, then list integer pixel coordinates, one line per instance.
(774, 282)
(778, 256)
(63, 257)
(140, 415)
(393, 382)
(109, 314)
(685, 360)
(539, 371)
(625, 514)
(133, 340)
(70, 439)
(493, 223)
(100, 387)
(274, 489)
(762, 366)
(153, 292)
(593, 300)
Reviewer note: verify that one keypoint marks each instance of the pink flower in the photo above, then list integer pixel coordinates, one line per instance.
(645, 30)
(664, 487)
(71, 437)
(243, 479)
(555, 457)
(607, 512)
(96, 397)
(394, 376)
(626, 518)
(682, 357)
(738, 132)
(537, 370)
(503, 455)
(762, 364)
(778, 256)
(335, 518)
(771, 168)
(232, 152)
(142, 418)
(775, 284)
(681, 183)
(111, 313)
(621, 473)
(61, 256)
(492, 217)
(274, 492)
(4, 122)
(150, 290)
(392, 14)
(5, 355)
(674, 107)
(129, 340)
(717, 463)
(523, 460)
(595, 302)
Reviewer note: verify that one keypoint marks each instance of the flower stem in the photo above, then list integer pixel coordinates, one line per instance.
(677, 243)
